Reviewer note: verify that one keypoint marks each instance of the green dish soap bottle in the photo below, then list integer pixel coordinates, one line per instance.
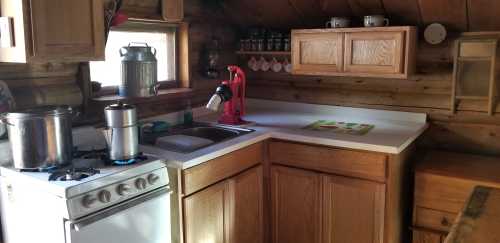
(188, 115)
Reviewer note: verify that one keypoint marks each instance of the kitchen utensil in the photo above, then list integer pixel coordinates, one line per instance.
(276, 66)
(435, 33)
(287, 66)
(122, 131)
(376, 21)
(265, 65)
(138, 71)
(338, 22)
(40, 137)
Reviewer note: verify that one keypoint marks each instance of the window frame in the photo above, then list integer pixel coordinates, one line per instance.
(147, 26)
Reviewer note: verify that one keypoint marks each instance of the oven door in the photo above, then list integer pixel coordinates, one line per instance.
(150, 218)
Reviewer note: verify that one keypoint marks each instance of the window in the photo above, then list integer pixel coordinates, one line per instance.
(159, 36)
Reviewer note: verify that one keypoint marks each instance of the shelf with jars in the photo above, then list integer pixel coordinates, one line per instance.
(266, 50)
(268, 53)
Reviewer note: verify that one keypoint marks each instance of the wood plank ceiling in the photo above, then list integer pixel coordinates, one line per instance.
(457, 15)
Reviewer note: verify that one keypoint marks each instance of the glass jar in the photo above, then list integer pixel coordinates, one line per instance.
(270, 44)
(260, 45)
(253, 45)
(286, 44)
(277, 45)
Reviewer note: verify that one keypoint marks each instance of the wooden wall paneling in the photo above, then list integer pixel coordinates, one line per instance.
(142, 9)
(336, 8)
(361, 8)
(310, 11)
(242, 12)
(403, 12)
(278, 14)
(479, 138)
(451, 13)
(483, 15)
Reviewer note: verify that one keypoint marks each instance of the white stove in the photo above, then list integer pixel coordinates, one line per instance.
(108, 204)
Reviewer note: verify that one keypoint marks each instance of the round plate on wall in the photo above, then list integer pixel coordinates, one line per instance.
(435, 33)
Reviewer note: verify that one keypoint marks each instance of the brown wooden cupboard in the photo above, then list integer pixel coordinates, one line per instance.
(443, 183)
(54, 30)
(229, 211)
(296, 205)
(387, 52)
(173, 10)
(223, 198)
(325, 194)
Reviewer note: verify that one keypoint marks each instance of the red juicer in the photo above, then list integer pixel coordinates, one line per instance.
(232, 93)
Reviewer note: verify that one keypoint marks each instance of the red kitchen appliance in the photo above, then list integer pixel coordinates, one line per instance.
(232, 93)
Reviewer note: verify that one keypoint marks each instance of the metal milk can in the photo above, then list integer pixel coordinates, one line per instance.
(139, 73)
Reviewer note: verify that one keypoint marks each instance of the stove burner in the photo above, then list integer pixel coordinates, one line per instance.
(73, 174)
(102, 154)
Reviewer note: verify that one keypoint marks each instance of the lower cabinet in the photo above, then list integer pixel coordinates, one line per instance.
(229, 211)
(296, 215)
(421, 236)
(313, 207)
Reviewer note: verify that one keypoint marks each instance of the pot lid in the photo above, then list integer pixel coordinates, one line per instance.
(41, 111)
(119, 106)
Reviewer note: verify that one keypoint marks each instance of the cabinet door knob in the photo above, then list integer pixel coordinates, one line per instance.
(445, 222)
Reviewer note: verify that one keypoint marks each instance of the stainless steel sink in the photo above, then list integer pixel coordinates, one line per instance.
(199, 136)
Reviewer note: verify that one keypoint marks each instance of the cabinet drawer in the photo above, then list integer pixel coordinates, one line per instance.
(442, 192)
(330, 160)
(210, 172)
(434, 219)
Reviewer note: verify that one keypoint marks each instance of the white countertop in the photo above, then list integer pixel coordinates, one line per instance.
(393, 131)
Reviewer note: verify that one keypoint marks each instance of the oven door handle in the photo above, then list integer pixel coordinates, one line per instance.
(82, 223)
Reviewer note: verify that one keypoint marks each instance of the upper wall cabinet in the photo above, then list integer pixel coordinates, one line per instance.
(54, 30)
(386, 52)
(173, 10)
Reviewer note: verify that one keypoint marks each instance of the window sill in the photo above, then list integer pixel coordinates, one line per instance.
(165, 94)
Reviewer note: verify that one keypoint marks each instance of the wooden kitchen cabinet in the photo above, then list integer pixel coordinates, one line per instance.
(443, 184)
(173, 10)
(327, 194)
(422, 236)
(229, 211)
(374, 52)
(320, 53)
(54, 30)
(296, 205)
(206, 215)
(310, 207)
(353, 210)
(386, 52)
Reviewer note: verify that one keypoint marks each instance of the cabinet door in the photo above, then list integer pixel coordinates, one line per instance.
(295, 205)
(173, 10)
(353, 210)
(317, 53)
(374, 52)
(246, 212)
(230, 211)
(421, 236)
(67, 30)
(205, 216)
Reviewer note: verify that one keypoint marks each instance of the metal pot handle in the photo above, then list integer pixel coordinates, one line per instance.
(154, 51)
(122, 52)
(140, 43)
(3, 120)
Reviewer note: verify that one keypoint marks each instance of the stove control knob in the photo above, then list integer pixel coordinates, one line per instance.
(104, 196)
(152, 179)
(88, 201)
(123, 189)
(140, 183)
